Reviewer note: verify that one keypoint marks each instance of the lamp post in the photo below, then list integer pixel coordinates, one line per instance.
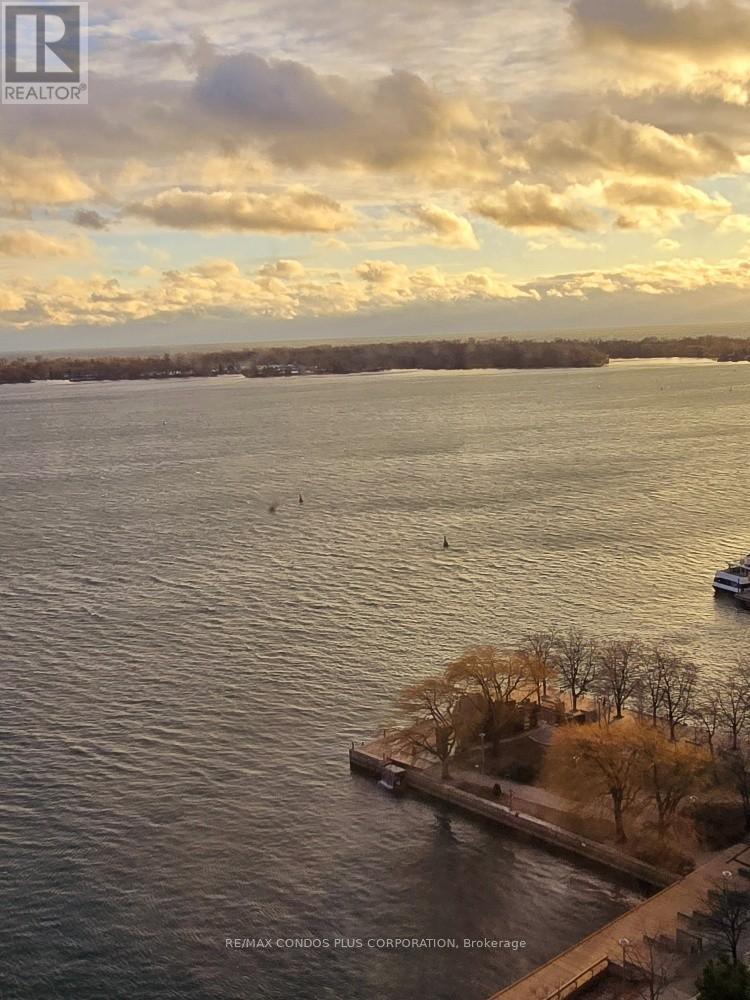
(623, 943)
(726, 878)
(481, 745)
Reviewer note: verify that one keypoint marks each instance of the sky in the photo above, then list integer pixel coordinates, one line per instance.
(287, 169)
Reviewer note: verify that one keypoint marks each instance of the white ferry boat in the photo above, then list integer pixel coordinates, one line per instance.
(735, 579)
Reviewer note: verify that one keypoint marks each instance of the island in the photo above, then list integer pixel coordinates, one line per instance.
(461, 354)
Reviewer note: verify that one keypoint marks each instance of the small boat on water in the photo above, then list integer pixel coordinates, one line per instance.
(735, 579)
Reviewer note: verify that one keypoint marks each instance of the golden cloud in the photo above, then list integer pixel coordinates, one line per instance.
(282, 291)
(302, 118)
(604, 142)
(219, 288)
(39, 180)
(701, 47)
(445, 228)
(677, 275)
(704, 30)
(297, 210)
(660, 204)
(530, 207)
(30, 243)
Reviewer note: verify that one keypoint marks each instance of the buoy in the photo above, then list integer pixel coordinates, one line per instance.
(300, 498)
(445, 542)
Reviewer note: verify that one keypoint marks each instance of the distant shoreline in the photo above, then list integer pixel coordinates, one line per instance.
(502, 354)
(612, 365)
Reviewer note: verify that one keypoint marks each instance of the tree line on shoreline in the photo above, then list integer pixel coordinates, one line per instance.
(340, 359)
(655, 734)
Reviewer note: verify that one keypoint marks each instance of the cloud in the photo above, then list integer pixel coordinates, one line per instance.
(296, 210)
(445, 228)
(282, 269)
(531, 207)
(42, 180)
(391, 131)
(394, 122)
(267, 95)
(11, 305)
(603, 141)
(30, 243)
(660, 204)
(219, 288)
(563, 240)
(89, 218)
(701, 29)
(735, 223)
(680, 275)
(699, 47)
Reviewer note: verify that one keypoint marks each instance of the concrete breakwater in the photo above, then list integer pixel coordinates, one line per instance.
(369, 757)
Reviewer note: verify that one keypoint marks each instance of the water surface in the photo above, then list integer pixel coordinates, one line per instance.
(182, 671)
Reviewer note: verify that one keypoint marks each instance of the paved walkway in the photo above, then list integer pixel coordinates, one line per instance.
(526, 793)
(654, 917)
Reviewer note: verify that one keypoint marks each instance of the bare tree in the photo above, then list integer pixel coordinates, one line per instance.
(653, 681)
(680, 679)
(670, 772)
(736, 767)
(539, 650)
(734, 702)
(618, 670)
(576, 663)
(586, 763)
(493, 673)
(707, 715)
(429, 705)
(727, 913)
(652, 971)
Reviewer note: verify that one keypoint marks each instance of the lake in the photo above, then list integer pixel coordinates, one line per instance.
(183, 670)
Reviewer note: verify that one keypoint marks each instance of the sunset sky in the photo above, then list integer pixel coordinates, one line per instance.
(284, 169)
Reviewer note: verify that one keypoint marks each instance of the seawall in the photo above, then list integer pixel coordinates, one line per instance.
(368, 758)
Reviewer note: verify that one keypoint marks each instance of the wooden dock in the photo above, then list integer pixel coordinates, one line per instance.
(666, 916)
